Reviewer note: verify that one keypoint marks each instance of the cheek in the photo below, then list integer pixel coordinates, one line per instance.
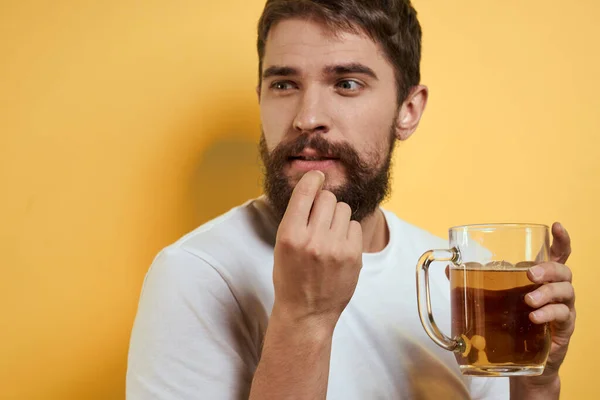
(276, 119)
(369, 128)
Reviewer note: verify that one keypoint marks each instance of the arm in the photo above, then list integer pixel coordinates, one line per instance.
(294, 362)
(189, 339)
(317, 260)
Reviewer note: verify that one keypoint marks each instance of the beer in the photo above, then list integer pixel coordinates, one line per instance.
(491, 320)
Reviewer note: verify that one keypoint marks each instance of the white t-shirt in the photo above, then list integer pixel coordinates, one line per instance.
(206, 301)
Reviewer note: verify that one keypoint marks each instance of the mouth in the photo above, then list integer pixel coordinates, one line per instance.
(309, 154)
(310, 160)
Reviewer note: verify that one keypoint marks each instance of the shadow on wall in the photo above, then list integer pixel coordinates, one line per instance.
(201, 168)
(228, 174)
(227, 168)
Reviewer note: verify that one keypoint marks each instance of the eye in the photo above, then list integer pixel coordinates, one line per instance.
(282, 86)
(349, 85)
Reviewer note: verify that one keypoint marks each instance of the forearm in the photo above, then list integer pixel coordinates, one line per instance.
(534, 388)
(295, 361)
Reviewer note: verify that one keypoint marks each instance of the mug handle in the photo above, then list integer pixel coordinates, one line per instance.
(424, 300)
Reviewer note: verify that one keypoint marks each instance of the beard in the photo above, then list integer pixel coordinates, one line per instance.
(366, 184)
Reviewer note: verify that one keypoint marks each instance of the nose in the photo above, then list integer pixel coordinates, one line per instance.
(312, 116)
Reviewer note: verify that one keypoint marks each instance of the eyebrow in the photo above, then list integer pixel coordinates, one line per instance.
(351, 68)
(338, 69)
(277, 70)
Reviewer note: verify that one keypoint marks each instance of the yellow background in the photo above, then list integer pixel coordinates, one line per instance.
(125, 124)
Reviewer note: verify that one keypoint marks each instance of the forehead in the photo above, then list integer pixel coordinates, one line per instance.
(307, 45)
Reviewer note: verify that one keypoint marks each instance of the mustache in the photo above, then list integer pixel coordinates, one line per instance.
(342, 151)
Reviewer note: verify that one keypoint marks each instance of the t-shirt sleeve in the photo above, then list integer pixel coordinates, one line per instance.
(189, 339)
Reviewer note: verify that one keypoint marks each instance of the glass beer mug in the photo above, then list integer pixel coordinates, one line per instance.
(492, 334)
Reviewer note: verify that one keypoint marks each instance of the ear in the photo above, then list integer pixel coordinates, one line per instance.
(411, 111)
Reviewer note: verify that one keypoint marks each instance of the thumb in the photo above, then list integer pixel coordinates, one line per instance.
(561, 244)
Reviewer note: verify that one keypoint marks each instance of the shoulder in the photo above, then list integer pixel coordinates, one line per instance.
(221, 248)
(243, 229)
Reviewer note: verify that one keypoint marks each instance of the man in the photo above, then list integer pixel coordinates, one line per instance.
(309, 291)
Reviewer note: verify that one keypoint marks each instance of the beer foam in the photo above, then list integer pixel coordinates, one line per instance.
(497, 266)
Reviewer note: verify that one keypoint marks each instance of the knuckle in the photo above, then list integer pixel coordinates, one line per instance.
(550, 313)
(545, 291)
(344, 253)
(556, 266)
(553, 268)
(355, 258)
(570, 291)
(563, 312)
(355, 253)
(568, 273)
(561, 271)
(338, 255)
(549, 271)
(287, 241)
(555, 312)
(356, 226)
(314, 251)
(544, 294)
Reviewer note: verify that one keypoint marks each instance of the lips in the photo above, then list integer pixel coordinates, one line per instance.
(311, 155)
(312, 158)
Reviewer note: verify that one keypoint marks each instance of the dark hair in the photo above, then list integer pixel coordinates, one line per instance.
(391, 23)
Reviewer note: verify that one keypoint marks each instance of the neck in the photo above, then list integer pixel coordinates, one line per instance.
(375, 232)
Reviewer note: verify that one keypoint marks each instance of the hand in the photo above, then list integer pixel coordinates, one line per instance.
(555, 300)
(555, 303)
(318, 254)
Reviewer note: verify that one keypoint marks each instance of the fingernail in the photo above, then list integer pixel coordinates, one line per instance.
(538, 315)
(535, 297)
(536, 271)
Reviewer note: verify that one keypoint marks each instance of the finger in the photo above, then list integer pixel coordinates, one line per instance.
(559, 292)
(558, 313)
(322, 211)
(302, 199)
(561, 244)
(355, 233)
(550, 272)
(341, 219)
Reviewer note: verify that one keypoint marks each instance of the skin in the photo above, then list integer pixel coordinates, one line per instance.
(555, 304)
(318, 250)
(352, 108)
